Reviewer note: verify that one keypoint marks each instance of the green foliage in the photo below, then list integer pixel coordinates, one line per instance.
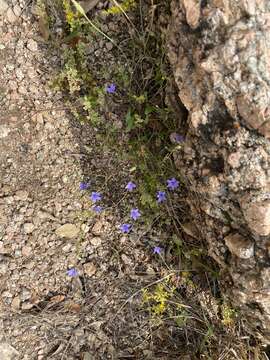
(124, 6)
(206, 341)
(135, 121)
(91, 104)
(147, 200)
(74, 76)
(69, 77)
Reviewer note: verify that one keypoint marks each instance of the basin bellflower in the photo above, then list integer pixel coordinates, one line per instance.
(130, 186)
(84, 186)
(95, 196)
(135, 214)
(125, 228)
(110, 89)
(161, 196)
(157, 250)
(179, 138)
(172, 184)
(97, 209)
(72, 272)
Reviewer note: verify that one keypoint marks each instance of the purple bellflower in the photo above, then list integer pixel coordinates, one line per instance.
(95, 196)
(84, 186)
(172, 184)
(72, 272)
(110, 89)
(131, 186)
(135, 214)
(125, 228)
(157, 250)
(179, 138)
(161, 196)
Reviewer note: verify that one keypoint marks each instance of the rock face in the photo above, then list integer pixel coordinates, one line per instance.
(220, 54)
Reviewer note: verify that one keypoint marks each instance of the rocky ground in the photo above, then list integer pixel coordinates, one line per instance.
(43, 228)
(47, 228)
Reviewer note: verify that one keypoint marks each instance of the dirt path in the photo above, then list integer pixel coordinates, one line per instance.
(44, 313)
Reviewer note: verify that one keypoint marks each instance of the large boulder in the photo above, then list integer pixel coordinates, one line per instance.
(220, 54)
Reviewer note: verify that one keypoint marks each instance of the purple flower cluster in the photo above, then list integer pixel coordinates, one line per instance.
(172, 184)
(135, 214)
(95, 196)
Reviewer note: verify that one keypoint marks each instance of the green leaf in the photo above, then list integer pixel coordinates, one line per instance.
(130, 120)
(149, 109)
(178, 242)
